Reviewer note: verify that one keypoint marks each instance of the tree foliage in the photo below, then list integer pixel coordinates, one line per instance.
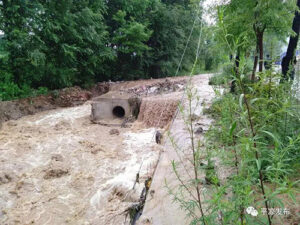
(247, 22)
(56, 44)
(289, 58)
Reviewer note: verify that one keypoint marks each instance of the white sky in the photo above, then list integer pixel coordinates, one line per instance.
(209, 9)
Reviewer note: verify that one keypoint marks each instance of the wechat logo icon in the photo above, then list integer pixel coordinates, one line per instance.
(252, 211)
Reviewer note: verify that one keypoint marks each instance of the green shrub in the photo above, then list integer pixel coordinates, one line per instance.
(9, 91)
(219, 79)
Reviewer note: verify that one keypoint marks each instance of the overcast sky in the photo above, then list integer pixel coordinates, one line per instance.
(208, 12)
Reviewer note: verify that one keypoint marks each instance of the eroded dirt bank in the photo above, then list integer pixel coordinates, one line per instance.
(74, 96)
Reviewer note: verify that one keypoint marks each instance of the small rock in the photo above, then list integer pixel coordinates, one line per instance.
(152, 90)
(152, 193)
(199, 130)
(114, 132)
(158, 137)
(179, 87)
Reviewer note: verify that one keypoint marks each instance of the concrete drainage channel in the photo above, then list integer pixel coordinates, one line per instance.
(115, 108)
(118, 111)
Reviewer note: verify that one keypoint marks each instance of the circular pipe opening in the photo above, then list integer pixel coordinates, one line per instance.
(118, 111)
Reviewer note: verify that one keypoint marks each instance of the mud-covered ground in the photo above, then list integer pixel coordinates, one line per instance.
(59, 168)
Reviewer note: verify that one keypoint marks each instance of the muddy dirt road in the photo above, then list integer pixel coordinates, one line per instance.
(160, 208)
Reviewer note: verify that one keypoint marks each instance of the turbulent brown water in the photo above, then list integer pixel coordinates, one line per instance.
(59, 168)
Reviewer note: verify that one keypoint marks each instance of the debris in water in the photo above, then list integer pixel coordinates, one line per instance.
(129, 119)
(114, 132)
(136, 210)
(199, 130)
(57, 157)
(55, 173)
(5, 178)
(158, 137)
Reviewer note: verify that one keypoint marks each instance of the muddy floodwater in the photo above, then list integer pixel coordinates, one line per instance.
(57, 167)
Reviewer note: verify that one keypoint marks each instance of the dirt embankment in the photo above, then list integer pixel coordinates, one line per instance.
(74, 96)
(68, 97)
(143, 86)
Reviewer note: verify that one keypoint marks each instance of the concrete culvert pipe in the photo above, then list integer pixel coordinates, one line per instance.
(119, 111)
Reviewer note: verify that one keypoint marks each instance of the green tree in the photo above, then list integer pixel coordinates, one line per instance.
(148, 37)
(270, 15)
(55, 43)
(172, 25)
(247, 22)
(75, 38)
(287, 60)
(129, 31)
(18, 21)
(62, 43)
